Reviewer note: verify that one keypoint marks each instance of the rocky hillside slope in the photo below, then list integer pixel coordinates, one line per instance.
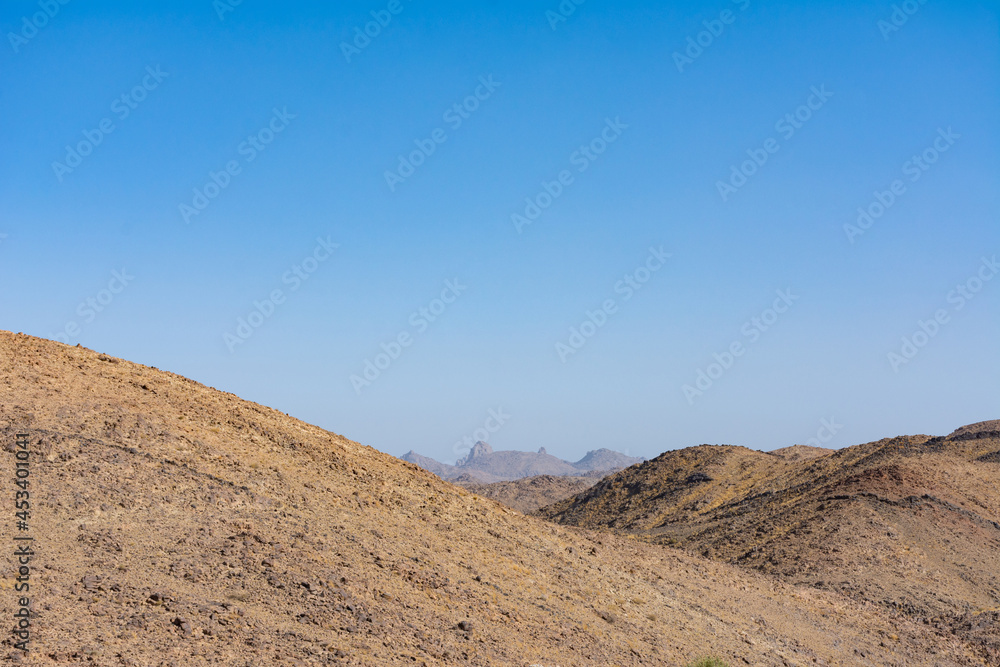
(180, 526)
(910, 523)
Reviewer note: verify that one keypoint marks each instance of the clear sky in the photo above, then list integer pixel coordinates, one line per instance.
(652, 175)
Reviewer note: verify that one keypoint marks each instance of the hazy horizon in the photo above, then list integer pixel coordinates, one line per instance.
(642, 227)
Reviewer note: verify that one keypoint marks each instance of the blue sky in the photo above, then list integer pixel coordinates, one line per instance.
(642, 139)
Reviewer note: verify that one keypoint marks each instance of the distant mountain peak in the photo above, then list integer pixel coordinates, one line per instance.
(606, 459)
(485, 465)
(479, 451)
(440, 469)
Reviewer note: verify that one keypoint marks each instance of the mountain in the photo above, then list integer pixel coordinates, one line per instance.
(605, 459)
(179, 525)
(507, 465)
(442, 470)
(479, 452)
(909, 523)
(486, 466)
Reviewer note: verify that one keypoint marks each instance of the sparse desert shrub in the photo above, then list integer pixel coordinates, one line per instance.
(707, 662)
(608, 616)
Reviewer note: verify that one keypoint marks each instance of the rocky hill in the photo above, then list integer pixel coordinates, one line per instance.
(909, 523)
(177, 525)
(486, 466)
(529, 493)
(800, 452)
(606, 460)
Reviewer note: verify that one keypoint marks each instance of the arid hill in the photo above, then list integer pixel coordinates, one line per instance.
(530, 493)
(909, 523)
(177, 525)
(486, 466)
(800, 452)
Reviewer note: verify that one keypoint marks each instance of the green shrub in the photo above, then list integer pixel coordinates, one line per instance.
(707, 662)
